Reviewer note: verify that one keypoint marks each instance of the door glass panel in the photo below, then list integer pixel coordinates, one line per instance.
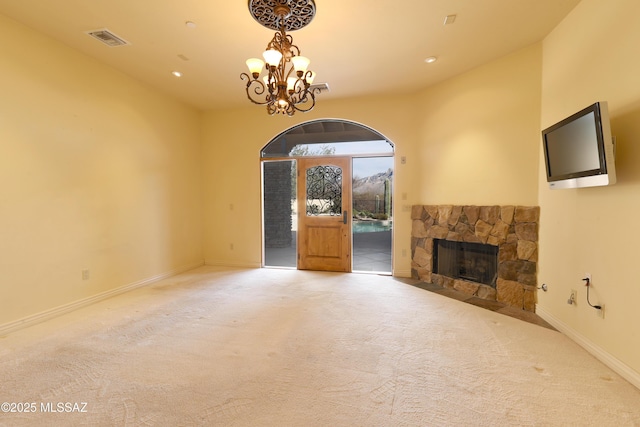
(324, 190)
(280, 213)
(372, 215)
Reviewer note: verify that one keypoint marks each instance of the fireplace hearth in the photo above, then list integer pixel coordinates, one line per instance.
(512, 231)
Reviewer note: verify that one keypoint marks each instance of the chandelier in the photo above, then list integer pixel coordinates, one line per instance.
(286, 86)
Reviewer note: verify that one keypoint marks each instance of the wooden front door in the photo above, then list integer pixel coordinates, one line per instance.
(324, 214)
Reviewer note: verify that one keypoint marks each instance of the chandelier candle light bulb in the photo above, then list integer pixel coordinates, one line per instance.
(287, 86)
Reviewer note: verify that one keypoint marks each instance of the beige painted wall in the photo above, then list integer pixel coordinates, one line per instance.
(592, 56)
(479, 134)
(487, 115)
(96, 172)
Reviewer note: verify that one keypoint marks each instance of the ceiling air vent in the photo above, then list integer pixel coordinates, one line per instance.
(321, 87)
(108, 38)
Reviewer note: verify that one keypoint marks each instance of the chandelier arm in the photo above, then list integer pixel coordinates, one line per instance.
(255, 87)
(292, 48)
(290, 110)
(271, 109)
(307, 98)
(271, 81)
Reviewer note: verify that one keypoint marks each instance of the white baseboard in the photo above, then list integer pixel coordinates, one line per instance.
(612, 362)
(66, 308)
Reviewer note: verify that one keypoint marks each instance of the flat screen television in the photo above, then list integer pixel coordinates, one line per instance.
(579, 150)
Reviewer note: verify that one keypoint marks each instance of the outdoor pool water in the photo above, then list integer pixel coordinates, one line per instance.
(371, 226)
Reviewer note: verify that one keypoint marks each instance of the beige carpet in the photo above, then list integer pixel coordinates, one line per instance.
(268, 347)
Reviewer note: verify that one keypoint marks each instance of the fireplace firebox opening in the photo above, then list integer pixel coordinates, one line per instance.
(475, 262)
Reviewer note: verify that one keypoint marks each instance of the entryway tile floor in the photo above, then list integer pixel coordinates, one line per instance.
(496, 306)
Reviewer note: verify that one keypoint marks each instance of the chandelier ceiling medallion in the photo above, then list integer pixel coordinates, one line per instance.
(286, 87)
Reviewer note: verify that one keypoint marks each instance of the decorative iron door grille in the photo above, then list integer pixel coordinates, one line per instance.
(324, 190)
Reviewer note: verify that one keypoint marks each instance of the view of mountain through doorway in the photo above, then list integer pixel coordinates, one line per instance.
(369, 216)
(371, 190)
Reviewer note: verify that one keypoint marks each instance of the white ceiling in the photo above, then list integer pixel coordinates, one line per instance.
(358, 47)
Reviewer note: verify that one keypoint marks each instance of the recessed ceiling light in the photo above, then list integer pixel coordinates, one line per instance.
(177, 73)
(431, 60)
(449, 19)
(190, 24)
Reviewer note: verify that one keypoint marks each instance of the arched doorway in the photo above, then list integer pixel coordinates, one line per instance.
(327, 198)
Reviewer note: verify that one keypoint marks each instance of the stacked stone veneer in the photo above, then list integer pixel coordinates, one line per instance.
(514, 229)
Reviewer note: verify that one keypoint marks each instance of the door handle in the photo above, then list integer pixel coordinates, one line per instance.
(345, 218)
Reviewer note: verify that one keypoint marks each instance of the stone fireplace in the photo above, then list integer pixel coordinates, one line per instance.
(512, 230)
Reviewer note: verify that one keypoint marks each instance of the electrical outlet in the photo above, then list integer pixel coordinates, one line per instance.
(85, 274)
(573, 297)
